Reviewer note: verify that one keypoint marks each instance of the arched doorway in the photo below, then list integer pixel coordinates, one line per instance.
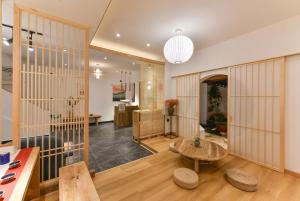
(213, 105)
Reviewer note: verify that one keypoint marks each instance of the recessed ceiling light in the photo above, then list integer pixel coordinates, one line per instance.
(105, 58)
(65, 50)
(118, 35)
(148, 44)
(133, 63)
(5, 42)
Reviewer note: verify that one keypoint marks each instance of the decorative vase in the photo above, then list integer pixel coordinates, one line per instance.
(197, 142)
(171, 111)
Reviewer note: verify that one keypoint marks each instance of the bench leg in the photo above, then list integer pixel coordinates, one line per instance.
(196, 165)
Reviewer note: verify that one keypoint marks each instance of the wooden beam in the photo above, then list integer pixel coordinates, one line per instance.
(282, 113)
(86, 98)
(16, 77)
(130, 56)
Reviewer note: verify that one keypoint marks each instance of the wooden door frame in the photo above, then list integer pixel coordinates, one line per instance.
(228, 103)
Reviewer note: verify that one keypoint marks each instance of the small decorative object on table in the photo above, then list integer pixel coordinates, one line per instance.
(170, 105)
(197, 141)
(4, 158)
(14, 164)
(8, 178)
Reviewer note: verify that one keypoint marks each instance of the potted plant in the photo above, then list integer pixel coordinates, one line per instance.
(170, 105)
(214, 99)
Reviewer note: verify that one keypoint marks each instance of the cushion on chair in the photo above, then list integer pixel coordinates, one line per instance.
(172, 147)
(185, 178)
(241, 180)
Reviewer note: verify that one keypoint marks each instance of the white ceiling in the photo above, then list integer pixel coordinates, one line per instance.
(114, 64)
(206, 22)
(87, 12)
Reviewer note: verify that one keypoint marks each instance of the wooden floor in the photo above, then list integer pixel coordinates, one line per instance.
(150, 179)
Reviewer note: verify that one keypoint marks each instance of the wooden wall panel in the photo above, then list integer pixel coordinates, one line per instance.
(51, 94)
(257, 112)
(187, 93)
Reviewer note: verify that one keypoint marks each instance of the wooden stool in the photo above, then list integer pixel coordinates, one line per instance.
(241, 180)
(172, 147)
(185, 178)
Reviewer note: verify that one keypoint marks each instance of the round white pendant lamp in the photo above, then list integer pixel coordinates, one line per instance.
(178, 49)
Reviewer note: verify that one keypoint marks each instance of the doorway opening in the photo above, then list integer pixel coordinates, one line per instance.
(213, 105)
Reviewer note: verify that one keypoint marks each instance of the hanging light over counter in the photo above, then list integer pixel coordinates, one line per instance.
(178, 49)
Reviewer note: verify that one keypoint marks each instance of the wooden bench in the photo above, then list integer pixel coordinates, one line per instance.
(94, 119)
(75, 184)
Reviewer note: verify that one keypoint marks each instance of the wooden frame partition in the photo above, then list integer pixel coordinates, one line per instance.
(256, 112)
(50, 88)
(187, 93)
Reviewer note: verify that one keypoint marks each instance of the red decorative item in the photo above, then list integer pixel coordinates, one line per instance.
(170, 104)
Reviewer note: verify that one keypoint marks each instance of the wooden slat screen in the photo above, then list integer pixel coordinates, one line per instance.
(257, 111)
(187, 93)
(50, 89)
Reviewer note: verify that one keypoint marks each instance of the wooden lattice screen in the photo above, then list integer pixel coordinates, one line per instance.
(257, 112)
(187, 92)
(50, 88)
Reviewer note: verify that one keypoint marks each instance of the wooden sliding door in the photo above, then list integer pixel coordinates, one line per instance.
(187, 92)
(50, 90)
(257, 112)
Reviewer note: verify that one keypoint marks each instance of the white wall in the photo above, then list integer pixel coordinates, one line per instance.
(282, 38)
(101, 94)
(292, 115)
(275, 40)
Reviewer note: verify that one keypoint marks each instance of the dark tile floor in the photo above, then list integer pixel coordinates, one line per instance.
(110, 147)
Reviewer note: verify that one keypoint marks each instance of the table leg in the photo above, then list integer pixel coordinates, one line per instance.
(196, 165)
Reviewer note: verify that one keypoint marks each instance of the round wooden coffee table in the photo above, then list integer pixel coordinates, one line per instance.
(207, 151)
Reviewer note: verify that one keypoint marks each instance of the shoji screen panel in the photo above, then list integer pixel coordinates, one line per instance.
(51, 89)
(256, 112)
(187, 92)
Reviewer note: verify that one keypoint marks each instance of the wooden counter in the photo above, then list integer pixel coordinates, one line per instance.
(124, 118)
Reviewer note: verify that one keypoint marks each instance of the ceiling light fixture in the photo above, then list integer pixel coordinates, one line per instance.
(133, 63)
(105, 58)
(31, 49)
(118, 35)
(98, 73)
(148, 44)
(178, 49)
(5, 42)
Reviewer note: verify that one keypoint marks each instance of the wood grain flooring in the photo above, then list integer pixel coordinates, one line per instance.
(150, 179)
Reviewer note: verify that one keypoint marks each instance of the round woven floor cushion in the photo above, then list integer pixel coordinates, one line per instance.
(241, 180)
(172, 147)
(185, 178)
